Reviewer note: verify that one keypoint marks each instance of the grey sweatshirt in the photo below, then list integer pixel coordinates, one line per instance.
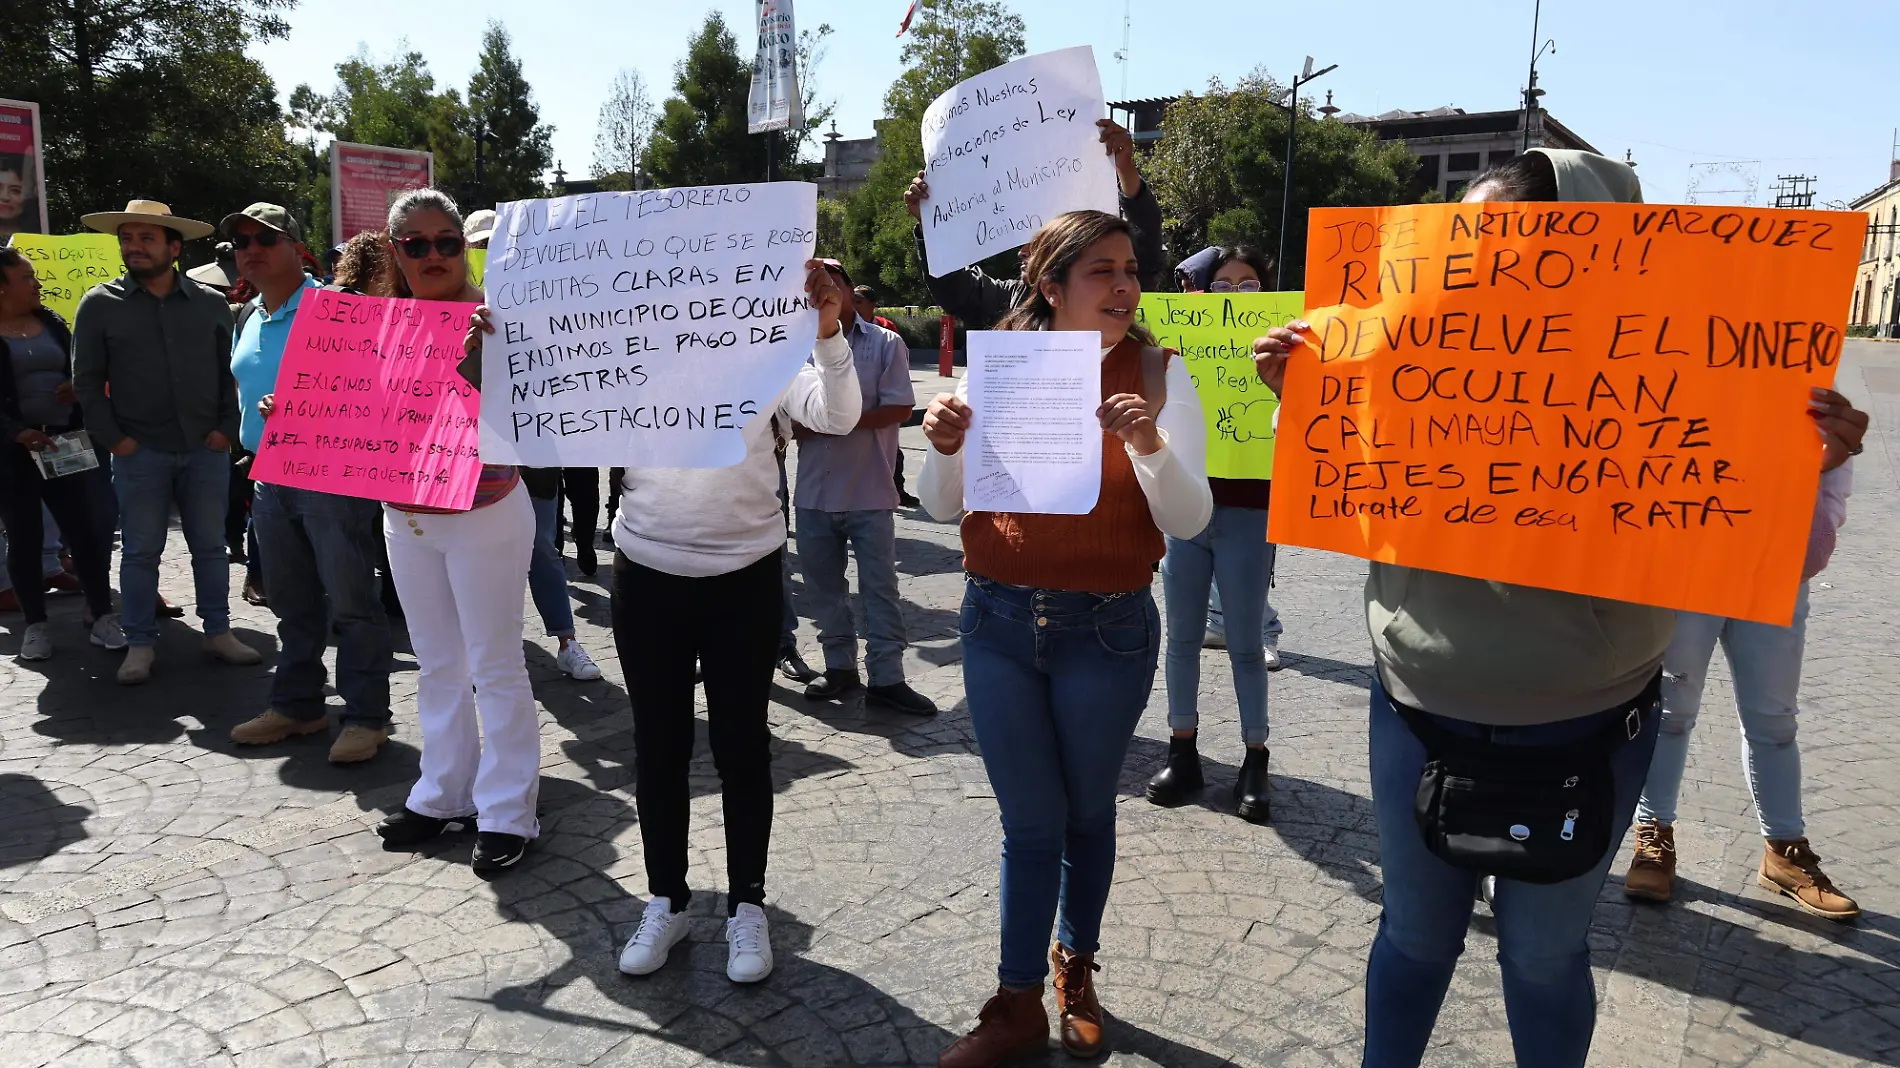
(1491, 652)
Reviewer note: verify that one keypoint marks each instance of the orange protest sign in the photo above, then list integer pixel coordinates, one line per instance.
(1608, 399)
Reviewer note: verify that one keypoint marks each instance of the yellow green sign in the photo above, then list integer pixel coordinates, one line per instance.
(1214, 333)
(68, 265)
(477, 265)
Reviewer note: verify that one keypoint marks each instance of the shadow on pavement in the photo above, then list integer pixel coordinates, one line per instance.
(38, 824)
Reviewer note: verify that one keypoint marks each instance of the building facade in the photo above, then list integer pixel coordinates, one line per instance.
(848, 161)
(1877, 285)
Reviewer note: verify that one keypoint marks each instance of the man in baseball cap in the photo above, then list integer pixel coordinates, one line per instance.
(316, 549)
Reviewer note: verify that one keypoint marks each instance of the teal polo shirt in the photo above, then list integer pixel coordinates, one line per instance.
(255, 354)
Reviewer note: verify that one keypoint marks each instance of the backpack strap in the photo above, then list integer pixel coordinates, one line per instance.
(244, 314)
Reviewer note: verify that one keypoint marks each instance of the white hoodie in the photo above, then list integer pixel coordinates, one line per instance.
(703, 521)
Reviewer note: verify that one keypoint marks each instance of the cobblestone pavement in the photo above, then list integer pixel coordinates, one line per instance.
(167, 900)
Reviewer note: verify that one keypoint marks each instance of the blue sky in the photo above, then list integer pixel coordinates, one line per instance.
(1800, 87)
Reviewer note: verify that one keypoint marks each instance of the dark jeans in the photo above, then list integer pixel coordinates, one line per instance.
(614, 475)
(70, 498)
(581, 487)
(1056, 682)
(1543, 930)
(729, 624)
(319, 563)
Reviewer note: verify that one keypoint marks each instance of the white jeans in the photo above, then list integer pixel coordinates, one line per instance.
(462, 578)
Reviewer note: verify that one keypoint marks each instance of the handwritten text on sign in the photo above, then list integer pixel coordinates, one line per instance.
(1214, 333)
(67, 265)
(1608, 399)
(1009, 150)
(644, 329)
(368, 403)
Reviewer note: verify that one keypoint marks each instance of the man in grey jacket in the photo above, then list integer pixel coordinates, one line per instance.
(152, 368)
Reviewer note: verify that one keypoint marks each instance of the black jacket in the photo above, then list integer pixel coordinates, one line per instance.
(11, 420)
(979, 300)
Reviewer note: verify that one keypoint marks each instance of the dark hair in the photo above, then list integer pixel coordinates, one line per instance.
(1529, 177)
(1049, 257)
(14, 162)
(10, 258)
(1261, 263)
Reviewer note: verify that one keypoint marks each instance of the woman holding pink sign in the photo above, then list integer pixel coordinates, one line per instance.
(462, 576)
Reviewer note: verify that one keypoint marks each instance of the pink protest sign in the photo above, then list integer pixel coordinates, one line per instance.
(369, 404)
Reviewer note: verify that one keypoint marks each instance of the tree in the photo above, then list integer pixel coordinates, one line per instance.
(624, 127)
(952, 40)
(701, 136)
(153, 99)
(1219, 169)
(517, 149)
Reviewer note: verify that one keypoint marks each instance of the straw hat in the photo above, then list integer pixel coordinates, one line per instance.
(480, 226)
(145, 211)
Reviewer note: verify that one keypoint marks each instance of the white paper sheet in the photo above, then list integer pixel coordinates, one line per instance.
(1035, 444)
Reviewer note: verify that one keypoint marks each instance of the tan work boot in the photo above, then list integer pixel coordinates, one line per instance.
(1652, 874)
(273, 726)
(1076, 1006)
(137, 665)
(227, 648)
(357, 743)
(1011, 1023)
(1790, 868)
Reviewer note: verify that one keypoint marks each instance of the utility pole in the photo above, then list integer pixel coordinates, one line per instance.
(1307, 74)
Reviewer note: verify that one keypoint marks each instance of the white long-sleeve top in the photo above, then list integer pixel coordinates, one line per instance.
(1173, 477)
(701, 521)
(1830, 513)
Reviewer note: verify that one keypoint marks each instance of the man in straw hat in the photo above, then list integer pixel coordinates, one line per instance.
(152, 368)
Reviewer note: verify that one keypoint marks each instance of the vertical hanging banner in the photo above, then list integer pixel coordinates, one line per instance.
(1214, 333)
(369, 404)
(1605, 399)
(644, 329)
(67, 265)
(366, 179)
(22, 170)
(1010, 149)
(774, 103)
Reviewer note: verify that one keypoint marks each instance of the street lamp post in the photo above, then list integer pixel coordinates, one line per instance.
(1307, 74)
(1531, 91)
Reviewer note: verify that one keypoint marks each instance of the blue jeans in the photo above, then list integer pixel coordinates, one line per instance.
(1543, 930)
(149, 482)
(1270, 626)
(872, 535)
(1234, 547)
(1056, 681)
(1765, 661)
(319, 561)
(547, 571)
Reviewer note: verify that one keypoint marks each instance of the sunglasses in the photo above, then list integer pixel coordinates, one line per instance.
(263, 239)
(1248, 286)
(417, 248)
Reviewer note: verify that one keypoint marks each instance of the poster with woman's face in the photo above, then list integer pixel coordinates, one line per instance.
(22, 180)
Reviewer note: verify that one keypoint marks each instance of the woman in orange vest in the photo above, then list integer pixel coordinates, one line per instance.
(1059, 630)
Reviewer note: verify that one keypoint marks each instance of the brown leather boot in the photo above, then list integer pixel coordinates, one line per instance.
(1011, 1023)
(1076, 1006)
(1789, 867)
(1652, 874)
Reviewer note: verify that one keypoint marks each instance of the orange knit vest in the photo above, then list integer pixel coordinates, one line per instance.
(1113, 549)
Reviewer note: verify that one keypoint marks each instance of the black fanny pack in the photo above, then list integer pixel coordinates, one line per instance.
(1535, 813)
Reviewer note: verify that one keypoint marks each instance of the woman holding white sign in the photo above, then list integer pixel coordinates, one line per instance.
(462, 576)
(1060, 634)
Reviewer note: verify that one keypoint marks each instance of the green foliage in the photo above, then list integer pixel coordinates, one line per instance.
(154, 99)
(1235, 226)
(831, 229)
(517, 148)
(950, 41)
(701, 136)
(1226, 149)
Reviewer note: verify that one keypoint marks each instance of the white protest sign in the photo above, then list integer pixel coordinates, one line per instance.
(774, 103)
(644, 329)
(1035, 442)
(1011, 149)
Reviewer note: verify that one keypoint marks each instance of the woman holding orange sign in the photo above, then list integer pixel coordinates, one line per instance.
(1497, 709)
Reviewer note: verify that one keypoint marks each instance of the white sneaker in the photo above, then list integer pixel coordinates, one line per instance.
(38, 642)
(106, 633)
(576, 663)
(660, 930)
(1214, 640)
(1273, 655)
(748, 946)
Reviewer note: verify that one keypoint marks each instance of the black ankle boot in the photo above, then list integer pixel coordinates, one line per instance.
(1179, 782)
(1250, 789)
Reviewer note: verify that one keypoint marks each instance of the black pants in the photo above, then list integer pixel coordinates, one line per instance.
(614, 475)
(581, 487)
(729, 623)
(70, 499)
